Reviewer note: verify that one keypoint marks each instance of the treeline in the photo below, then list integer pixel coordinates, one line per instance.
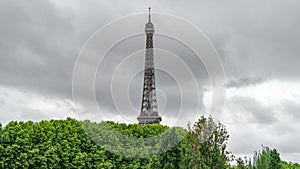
(66, 144)
(84, 144)
(266, 158)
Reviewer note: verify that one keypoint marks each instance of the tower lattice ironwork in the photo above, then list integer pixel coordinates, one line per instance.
(149, 111)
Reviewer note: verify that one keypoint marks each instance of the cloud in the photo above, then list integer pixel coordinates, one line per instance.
(33, 47)
(22, 105)
(254, 39)
(291, 107)
(2, 101)
(41, 42)
(33, 115)
(261, 114)
(244, 82)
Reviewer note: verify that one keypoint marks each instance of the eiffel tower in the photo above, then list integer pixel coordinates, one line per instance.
(149, 111)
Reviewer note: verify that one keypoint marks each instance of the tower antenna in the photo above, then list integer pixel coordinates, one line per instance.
(149, 14)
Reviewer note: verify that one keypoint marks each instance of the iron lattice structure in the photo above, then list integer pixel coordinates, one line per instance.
(149, 111)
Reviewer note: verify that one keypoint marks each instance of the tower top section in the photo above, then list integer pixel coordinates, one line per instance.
(149, 28)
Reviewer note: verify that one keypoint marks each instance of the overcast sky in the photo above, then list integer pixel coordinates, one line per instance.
(257, 41)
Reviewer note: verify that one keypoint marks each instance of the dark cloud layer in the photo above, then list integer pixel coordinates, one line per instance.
(34, 54)
(244, 82)
(34, 38)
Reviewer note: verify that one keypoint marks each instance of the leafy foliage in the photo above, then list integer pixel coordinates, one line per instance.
(265, 159)
(65, 144)
(209, 140)
(290, 165)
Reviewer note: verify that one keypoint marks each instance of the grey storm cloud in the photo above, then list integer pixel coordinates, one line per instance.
(249, 106)
(291, 108)
(244, 82)
(42, 41)
(33, 51)
(254, 38)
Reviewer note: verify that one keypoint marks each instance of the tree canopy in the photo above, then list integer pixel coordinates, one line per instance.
(66, 144)
(84, 144)
(267, 158)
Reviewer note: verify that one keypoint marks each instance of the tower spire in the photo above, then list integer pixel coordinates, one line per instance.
(149, 14)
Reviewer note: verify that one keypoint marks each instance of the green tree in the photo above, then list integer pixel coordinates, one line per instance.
(265, 159)
(209, 142)
(240, 163)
